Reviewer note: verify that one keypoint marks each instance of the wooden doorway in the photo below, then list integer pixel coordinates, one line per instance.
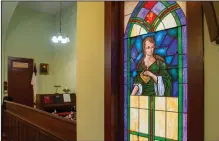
(20, 72)
(114, 67)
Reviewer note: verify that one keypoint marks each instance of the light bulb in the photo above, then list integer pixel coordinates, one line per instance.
(60, 38)
(64, 41)
(54, 39)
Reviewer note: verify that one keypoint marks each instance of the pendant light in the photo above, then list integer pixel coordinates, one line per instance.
(60, 38)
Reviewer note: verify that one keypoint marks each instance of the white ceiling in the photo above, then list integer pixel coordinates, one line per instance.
(46, 7)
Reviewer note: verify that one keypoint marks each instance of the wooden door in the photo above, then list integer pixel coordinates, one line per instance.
(19, 80)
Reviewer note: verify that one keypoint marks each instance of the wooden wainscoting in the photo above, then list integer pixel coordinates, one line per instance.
(23, 123)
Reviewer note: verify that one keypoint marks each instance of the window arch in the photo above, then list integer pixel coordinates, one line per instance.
(156, 117)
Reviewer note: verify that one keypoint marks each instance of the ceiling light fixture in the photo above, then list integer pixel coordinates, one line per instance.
(60, 38)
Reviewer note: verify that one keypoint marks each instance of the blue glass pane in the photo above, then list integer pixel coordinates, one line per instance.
(171, 2)
(134, 73)
(138, 44)
(161, 51)
(175, 88)
(125, 66)
(132, 41)
(131, 84)
(174, 74)
(172, 50)
(172, 32)
(185, 61)
(169, 59)
(125, 96)
(185, 75)
(175, 60)
(125, 49)
(167, 40)
(136, 9)
(127, 30)
(181, 16)
(125, 77)
(159, 36)
(125, 133)
(148, 35)
(132, 65)
(139, 58)
(134, 53)
(143, 12)
(158, 8)
(184, 39)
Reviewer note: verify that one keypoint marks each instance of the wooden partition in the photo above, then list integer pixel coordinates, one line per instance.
(23, 123)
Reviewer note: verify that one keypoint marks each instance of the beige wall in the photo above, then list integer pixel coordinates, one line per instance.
(211, 77)
(90, 71)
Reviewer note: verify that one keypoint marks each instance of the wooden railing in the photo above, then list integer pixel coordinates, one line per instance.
(23, 123)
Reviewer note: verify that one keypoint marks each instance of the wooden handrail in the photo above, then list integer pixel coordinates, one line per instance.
(59, 127)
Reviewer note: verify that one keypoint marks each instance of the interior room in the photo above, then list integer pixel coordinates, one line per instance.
(39, 57)
(127, 71)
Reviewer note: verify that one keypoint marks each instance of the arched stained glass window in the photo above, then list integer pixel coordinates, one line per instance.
(155, 71)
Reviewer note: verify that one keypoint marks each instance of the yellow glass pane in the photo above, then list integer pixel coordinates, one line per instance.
(160, 123)
(169, 21)
(133, 137)
(160, 103)
(135, 30)
(134, 101)
(143, 102)
(142, 139)
(143, 121)
(172, 125)
(134, 119)
(172, 104)
(129, 7)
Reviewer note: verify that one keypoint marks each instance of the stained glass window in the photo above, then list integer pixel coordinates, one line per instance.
(155, 71)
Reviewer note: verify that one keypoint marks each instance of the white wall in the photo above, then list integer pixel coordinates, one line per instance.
(29, 36)
(65, 56)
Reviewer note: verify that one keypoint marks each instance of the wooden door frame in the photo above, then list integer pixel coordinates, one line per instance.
(113, 95)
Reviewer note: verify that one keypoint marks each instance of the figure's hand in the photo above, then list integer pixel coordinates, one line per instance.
(148, 73)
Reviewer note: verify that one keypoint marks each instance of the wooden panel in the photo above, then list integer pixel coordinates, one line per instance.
(20, 72)
(211, 19)
(113, 35)
(24, 123)
(195, 72)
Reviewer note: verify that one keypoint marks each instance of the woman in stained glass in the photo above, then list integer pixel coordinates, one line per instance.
(152, 77)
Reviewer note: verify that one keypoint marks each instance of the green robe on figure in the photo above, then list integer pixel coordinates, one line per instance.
(162, 88)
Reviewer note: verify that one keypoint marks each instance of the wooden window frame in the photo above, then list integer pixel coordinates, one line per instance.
(113, 87)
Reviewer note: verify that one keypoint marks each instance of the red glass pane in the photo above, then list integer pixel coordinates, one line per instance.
(150, 17)
(149, 4)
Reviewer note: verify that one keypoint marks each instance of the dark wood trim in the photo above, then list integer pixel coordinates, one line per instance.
(195, 71)
(108, 127)
(114, 15)
(211, 18)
